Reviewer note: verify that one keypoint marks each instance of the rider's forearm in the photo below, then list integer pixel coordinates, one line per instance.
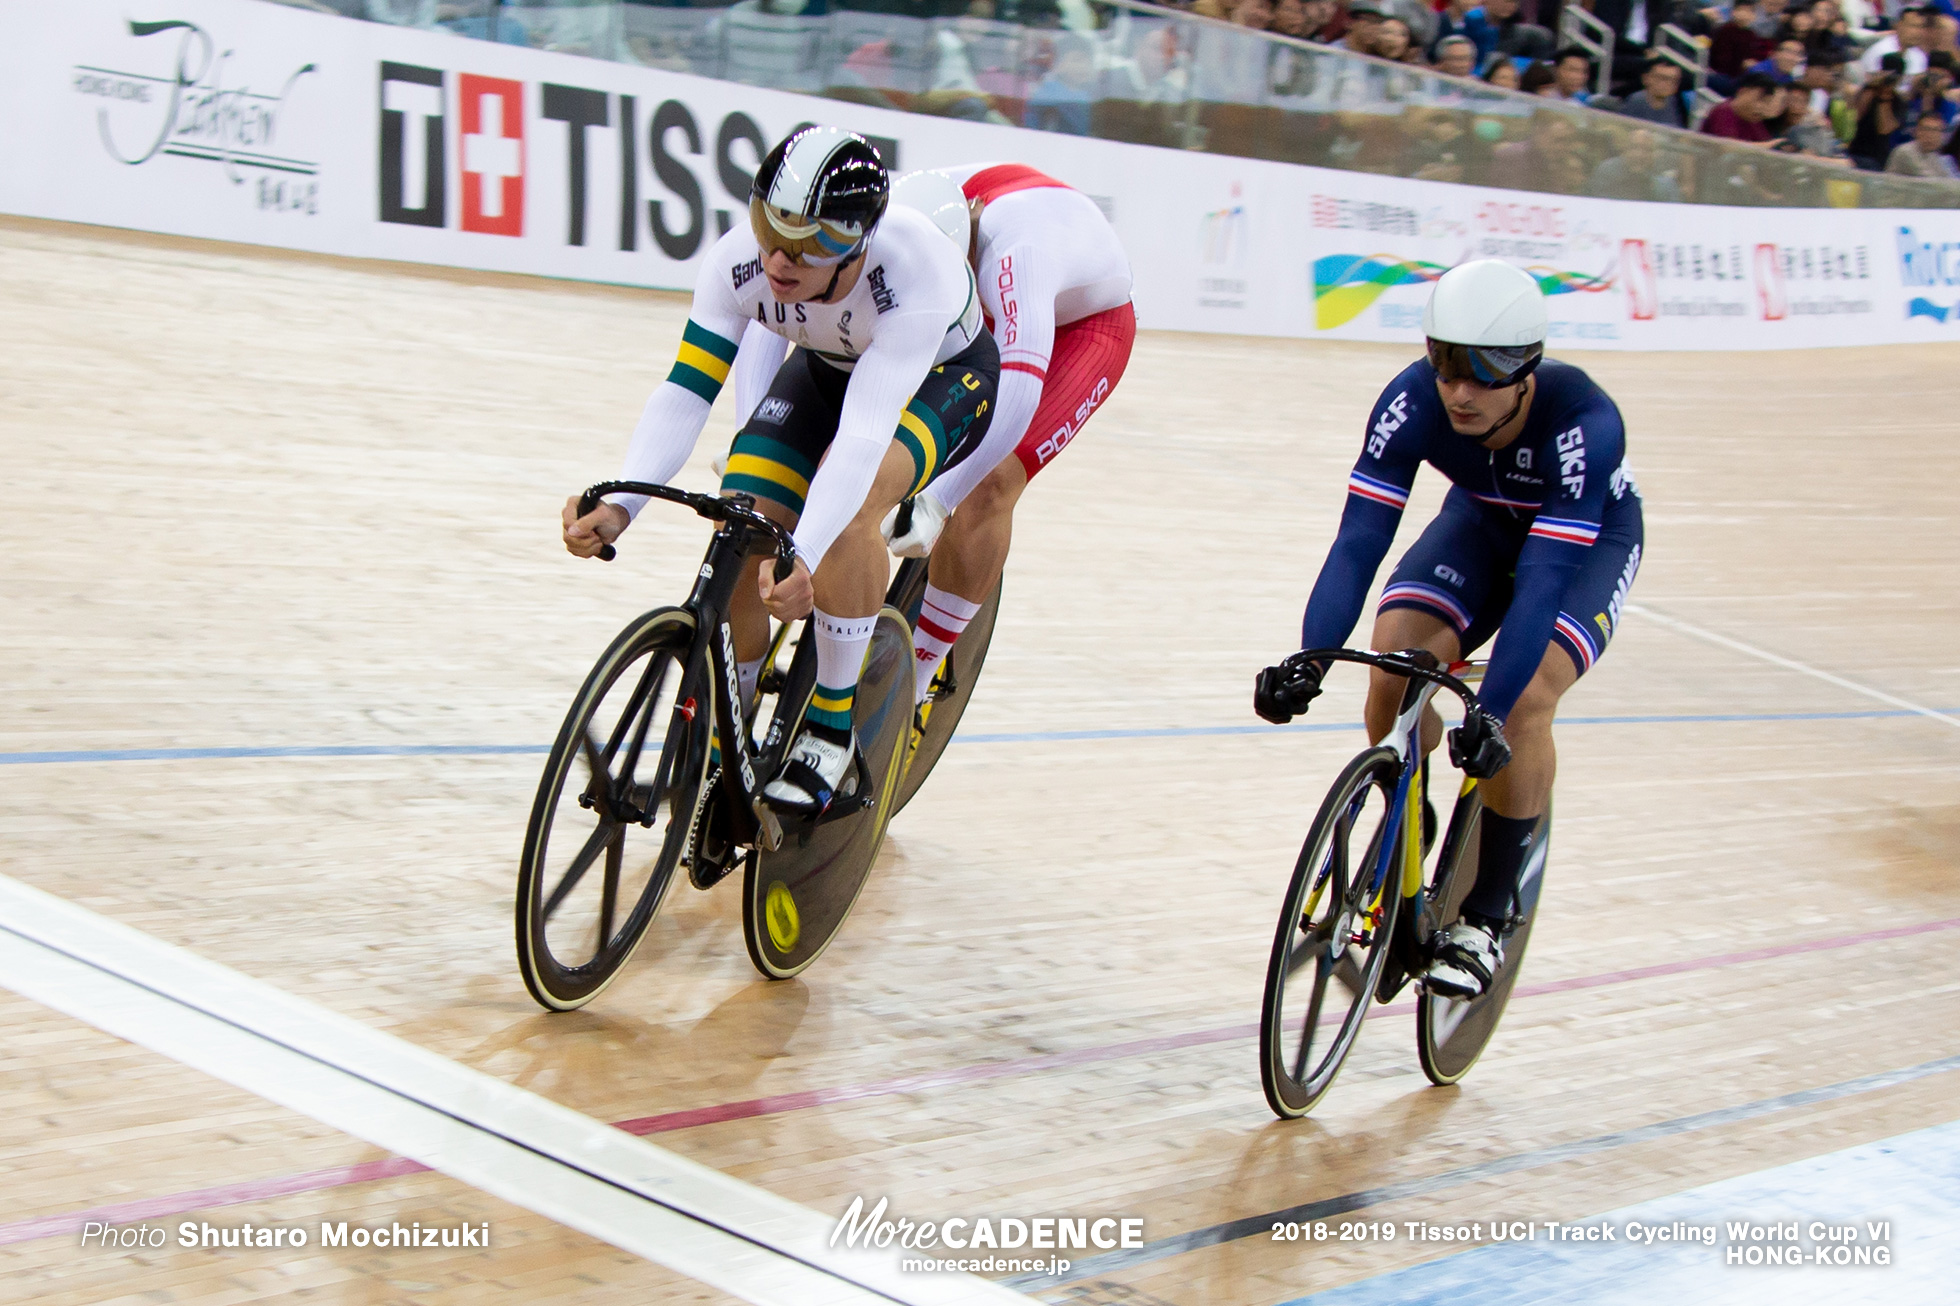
(1525, 634)
(1016, 400)
(668, 429)
(881, 385)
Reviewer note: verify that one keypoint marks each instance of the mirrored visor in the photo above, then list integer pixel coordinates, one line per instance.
(1488, 365)
(812, 242)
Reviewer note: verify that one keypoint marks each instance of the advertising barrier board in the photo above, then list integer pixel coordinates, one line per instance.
(246, 121)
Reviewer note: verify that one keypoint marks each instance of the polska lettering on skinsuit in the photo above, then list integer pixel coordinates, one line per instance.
(1388, 424)
(743, 273)
(1057, 442)
(1572, 461)
(1010, 310)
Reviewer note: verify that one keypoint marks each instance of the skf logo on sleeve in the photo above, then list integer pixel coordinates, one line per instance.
(493, 154)
(1572, 461)
(1388, 424)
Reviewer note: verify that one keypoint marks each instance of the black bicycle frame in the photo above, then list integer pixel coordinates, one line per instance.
(741, 529)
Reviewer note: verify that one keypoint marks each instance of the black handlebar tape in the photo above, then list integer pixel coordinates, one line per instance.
(607, 553)
(784, 566)
(902, 525)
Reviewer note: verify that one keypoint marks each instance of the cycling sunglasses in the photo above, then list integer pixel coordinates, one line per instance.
(809, 242)
(1492, 367)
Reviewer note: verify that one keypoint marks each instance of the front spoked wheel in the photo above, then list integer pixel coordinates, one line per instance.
(1333, 937)
(611, 817)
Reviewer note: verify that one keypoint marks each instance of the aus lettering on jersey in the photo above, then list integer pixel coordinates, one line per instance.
(1386, 425)
(782, 313)
(881, 294)
(743, 273)
(1010, 311)
(1572, 461)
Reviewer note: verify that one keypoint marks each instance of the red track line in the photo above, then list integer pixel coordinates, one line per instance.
(200, 1199)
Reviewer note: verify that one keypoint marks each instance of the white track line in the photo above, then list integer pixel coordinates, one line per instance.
(502, 1139)
(1688, 628)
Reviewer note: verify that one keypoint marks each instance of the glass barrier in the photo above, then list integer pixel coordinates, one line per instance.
(1135, 72)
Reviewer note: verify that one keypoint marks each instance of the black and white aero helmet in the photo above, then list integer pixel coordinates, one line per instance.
(818, 195)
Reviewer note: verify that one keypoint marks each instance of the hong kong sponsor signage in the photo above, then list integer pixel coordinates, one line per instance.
(247, 121)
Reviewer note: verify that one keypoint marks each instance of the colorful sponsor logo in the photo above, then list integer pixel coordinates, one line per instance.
(1920, 307)
(1344, 285)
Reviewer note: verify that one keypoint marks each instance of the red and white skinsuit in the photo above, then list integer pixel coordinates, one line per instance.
(1055, 284)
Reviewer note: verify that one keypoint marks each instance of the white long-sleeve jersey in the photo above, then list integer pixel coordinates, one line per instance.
(1046, 257)
(914, 306)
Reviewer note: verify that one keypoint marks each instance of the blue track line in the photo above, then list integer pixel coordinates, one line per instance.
(1018, 737)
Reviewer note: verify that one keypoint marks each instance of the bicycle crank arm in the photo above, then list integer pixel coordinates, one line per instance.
(769, 829)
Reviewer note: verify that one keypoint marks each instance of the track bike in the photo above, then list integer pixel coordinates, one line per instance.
(657, 766)
(1362, 911)
(952, 684)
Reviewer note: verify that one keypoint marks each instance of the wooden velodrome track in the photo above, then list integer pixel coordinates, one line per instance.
(255, 500)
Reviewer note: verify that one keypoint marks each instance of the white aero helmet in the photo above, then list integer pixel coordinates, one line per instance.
(1485, 322)
(940, 198)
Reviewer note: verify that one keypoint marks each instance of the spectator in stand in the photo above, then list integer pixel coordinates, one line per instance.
(1881, 108)
(1769, 18)
(1572, 75)
(1539, 79)
(1635, 175)
(1735, 45)
(1496, 27)
(1501, 71)
(1394, 42)
(1453, 19)
(1741, 116)
(1946, 37)
(1364, 25)
(1933, 93)
(1784, 63)
(1256, 14)
(1828, 30)
(1300, 19)
(1910, 39)
(1659, 97)
(1456, 56)
(1921, 156)
(1825, 120)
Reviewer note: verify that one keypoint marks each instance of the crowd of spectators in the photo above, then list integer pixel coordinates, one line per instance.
(1862, 83)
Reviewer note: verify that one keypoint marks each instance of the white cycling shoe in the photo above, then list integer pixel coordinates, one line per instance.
(1466, 959)
(818, 771)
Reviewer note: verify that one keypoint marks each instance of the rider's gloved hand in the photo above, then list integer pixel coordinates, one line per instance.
(585, 536)
(1477, 747)
(1281, 693)
(928, 518)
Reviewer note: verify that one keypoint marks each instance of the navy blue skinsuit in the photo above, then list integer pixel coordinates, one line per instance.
(1541, 538)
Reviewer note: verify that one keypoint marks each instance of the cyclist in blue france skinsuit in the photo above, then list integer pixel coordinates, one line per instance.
(1538, 542)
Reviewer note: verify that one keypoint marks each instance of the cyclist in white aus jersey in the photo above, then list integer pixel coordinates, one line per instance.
(890, 382)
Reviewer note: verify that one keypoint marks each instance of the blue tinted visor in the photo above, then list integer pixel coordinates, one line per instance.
(1487, 365)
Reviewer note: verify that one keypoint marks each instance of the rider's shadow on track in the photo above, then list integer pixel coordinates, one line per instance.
(603, 1054)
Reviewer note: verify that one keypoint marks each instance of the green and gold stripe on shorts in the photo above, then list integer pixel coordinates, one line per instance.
(768, 469)
(924, 438)
(703, 363)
